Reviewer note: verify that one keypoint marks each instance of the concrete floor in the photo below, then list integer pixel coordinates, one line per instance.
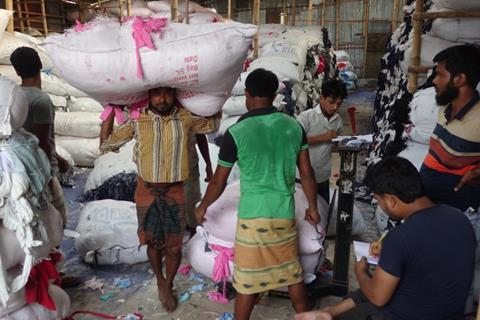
(199, 307)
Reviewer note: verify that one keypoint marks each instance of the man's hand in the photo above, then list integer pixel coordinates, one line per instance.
(313, 315)
(200, 214)
(471, 177)
(332, 134)
(312, 216)
(63, 165)
(375, 248)
(209, 173)
(361, 267)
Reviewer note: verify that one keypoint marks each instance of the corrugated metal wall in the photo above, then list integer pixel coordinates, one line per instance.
(351, 15)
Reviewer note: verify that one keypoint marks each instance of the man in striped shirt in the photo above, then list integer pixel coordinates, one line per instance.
(451, 169)
(161, 153)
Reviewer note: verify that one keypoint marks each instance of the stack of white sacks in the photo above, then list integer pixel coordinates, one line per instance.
(30, 227)
(284, 51)
(77, 120)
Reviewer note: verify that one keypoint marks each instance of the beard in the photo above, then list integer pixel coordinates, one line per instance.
(448, 95)
(163, 108)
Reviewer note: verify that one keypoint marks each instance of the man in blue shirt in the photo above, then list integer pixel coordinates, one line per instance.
(426, 264)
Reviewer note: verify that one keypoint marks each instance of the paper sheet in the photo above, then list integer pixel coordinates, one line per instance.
(361, 250)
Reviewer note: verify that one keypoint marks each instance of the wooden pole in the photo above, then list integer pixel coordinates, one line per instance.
(25, 6)
(120, 4)
(395, 9)
(129, 8)
(187, 9)
(174, 10)
(44, 17)
(256, 21)
(229, 12)
(445, 14)
(366, 17)
(416, 47)
(323, 13)
(309, 13)
(9, 6)
(19, 12)
(337, 23)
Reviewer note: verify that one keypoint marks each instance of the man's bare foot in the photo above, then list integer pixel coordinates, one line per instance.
(313, 315)
(167, 298)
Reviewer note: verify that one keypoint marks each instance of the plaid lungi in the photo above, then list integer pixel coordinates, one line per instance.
(266, 255)
(165, 214)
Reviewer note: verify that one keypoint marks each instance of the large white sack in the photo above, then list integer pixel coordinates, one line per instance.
(293, 51)
(110, 227)
(358, 223)
(84, 151)
(227, 123)
(283, 68)
(101, 60)
(59, 102)
(4, 19)
(111, 164)
(13, 107)
(84, 104)
(36, 311)
(415, 153)
(458, 30)
(203, 261)
(203, 104)
(235, 106)
(423, 116)
(222, 218)
(78, 124)
(342, 55)
(11, 252)
(164, 5)
(457, 4)
(430, 47)
(64, 154)
(203, 17)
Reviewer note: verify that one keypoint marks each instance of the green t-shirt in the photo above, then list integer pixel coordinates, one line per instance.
(266, 145)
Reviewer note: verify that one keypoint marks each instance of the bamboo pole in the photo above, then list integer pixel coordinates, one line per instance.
(44, 17)
(419, 69)
(187, 9)
(309, 13)
(256, 21)
(445, 14)
(323, 13)
(120, 5)
(337, 23)
(129, 8)
(27, 15)
(174, 10)
(20, 16)
(229, 12)
(294, 12)
(9, 6)
(366, 16)
(416, 47)
(395, 14)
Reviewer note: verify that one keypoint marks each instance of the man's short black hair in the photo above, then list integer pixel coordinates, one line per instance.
(461, 59)
(334, 89)
(261, 83)
(396, 176)
(26, 62)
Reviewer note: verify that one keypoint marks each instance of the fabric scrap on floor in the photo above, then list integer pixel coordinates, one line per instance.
(106, 297)
(184, 297)
(185, 269)
(226, 316)
(122, 283)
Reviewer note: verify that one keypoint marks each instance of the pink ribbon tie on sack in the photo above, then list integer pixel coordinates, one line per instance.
(136, 107)
(221, 271)
(141, 35)
(118, 113)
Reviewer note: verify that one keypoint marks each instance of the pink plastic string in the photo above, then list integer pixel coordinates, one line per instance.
(217, 297)
(137, 107)
(185, 269)
(118, 113)
(221, 271)
(79, 27)
(141, 35)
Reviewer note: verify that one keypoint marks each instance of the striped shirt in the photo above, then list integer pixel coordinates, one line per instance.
(161, 151)
(455, 142)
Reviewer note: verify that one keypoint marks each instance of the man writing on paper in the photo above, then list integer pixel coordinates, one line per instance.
(426, 264)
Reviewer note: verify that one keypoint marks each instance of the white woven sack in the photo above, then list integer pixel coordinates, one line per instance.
(227, 123)
(101, 60)
(283, 68)
(84, 104)
(415, 153)
(203, 17)
(13, 107)
(84, 151)
(458, 30)
(59, 102)
(78, 124)
(111, 164)
(4, 19)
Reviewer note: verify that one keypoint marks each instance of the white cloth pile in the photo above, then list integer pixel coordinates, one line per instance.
(346, 70)
(393, 102)
(30, 227)
(219, 229)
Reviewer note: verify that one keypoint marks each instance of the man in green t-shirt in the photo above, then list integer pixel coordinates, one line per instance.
(268, 146)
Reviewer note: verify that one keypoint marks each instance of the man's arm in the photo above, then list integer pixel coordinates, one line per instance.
(309, 186)
(380, 288)
(472, 177)
(42, 132)
(119, 137)
(203, 146)
(214, 191)
(202, 125)
(322, 138)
